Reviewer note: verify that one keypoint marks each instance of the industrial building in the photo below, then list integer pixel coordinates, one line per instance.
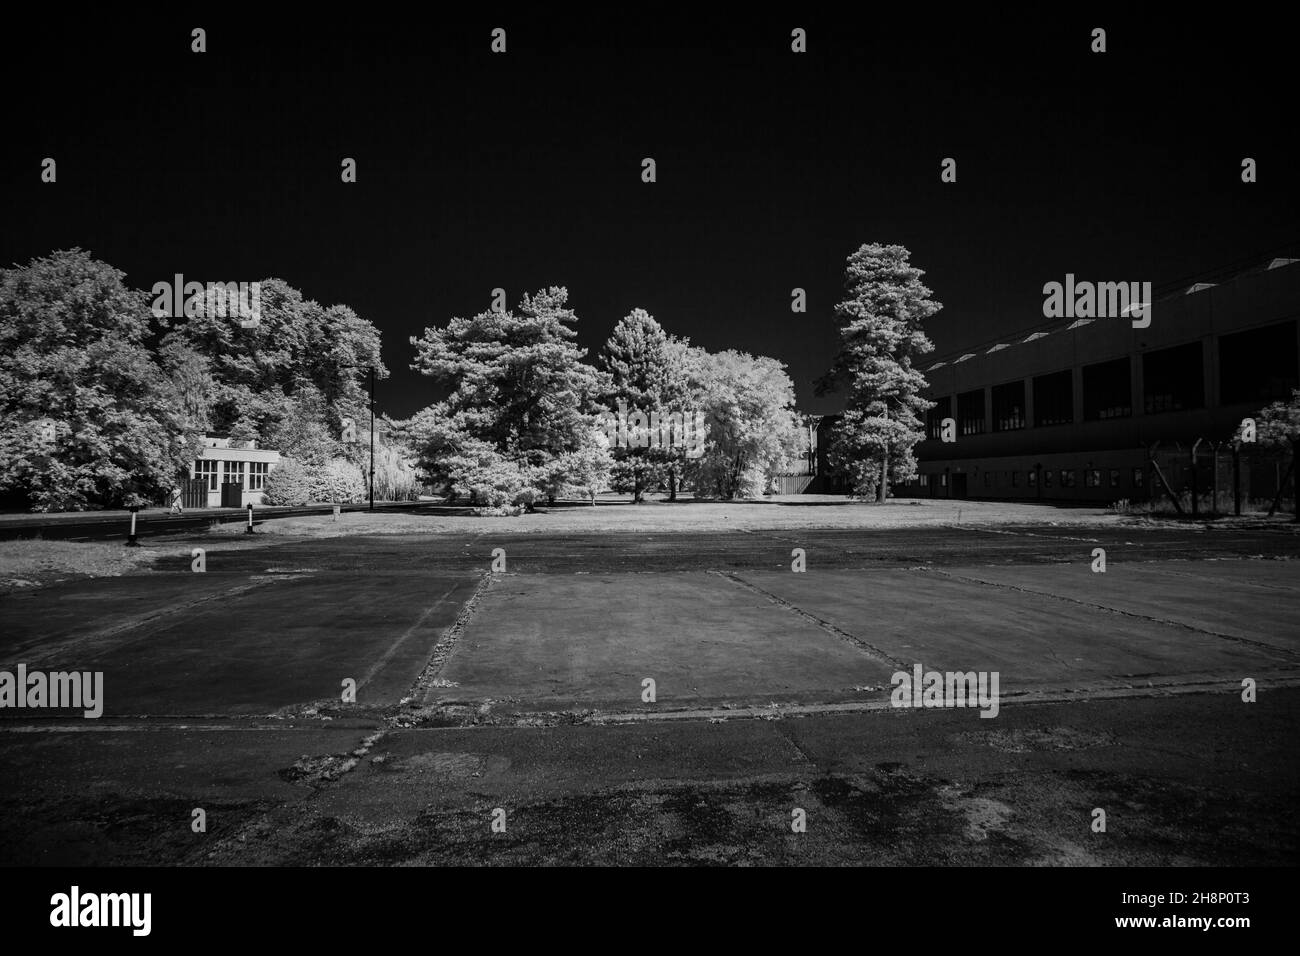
(1071, 410)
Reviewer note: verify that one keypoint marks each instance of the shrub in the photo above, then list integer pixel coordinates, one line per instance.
(493, 483)
(287, 484)
(338, 481)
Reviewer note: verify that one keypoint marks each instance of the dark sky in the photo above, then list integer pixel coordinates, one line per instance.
(523, 170)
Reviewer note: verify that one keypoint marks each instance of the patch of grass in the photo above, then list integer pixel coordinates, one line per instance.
(1254, 511)
(34, 562)
(619, 514)
(1160, 506)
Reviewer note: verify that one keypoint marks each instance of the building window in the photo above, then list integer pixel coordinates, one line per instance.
(207, 470)
(1092, 478)
(1047, 479)
(235, 472)
(1032, 477)
(257, 472)
(1114, 477)
(1107, 390)
(935, 416)
(970, 413)
(943, 480)
(1258, 366)
(1067, 478)
(1054, 398)
(1139, 477)
(1009, 407)
(988, 479)
(1015, 479)
(1173, 379)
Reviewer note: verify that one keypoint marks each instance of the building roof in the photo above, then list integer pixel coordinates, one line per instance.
(1035, 334)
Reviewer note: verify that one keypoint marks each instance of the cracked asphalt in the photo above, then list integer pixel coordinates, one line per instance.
(504, 718)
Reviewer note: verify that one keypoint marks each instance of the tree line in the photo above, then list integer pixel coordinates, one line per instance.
(107, 402)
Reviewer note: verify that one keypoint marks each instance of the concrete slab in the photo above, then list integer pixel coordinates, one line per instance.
(127, 795)
(590, 640)
(895, 788)
(289, 640)
(1031, 639)
(220, 763)
(1266, 574)
(410, 770)
(39, 626)
(1197, 779)
(1253, 600)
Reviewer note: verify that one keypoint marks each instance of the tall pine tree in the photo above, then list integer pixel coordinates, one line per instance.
(520, 398)
(645, 373)
(881, 335)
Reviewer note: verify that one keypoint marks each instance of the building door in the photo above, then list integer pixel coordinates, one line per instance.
(232, 494)
(959, 485)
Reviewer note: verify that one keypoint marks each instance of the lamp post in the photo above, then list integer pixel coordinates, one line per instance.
(372, 428)
(372, 438)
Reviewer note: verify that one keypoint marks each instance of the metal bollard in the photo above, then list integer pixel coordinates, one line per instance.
(249, 529)
(130, 539)
(1236, 478)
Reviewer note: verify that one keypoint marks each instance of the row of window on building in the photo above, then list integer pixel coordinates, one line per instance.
(1066, 477)
(251, 474)
(1062, 477)
(1259, 365)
